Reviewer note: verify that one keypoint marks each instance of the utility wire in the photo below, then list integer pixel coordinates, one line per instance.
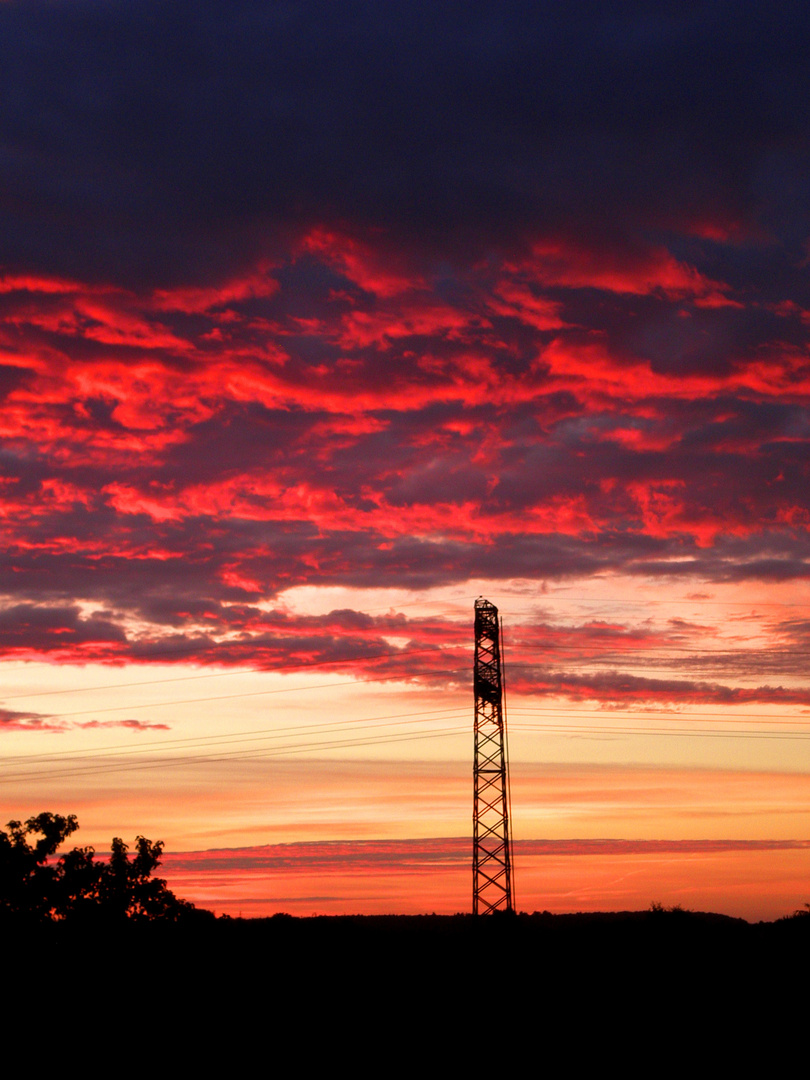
(322, 745)
(275, 670)
(402, 676)
(120, 749)
(300, 748)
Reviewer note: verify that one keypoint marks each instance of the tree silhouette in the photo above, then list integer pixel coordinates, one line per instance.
(77, 887)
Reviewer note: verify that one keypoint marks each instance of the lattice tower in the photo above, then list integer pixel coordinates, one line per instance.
(492, 848)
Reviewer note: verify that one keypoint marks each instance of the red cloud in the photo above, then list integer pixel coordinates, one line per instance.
(133, 725)
(562, 263)
(366, 265)
(423, 318)
(517, 299)
(211, 300)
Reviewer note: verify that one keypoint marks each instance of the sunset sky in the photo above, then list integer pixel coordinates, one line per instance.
(319, 320)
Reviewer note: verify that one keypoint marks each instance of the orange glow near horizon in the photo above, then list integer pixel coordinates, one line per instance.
(754, 883)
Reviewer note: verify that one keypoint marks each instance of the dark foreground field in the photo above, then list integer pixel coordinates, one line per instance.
(633, 989)
(521, 953)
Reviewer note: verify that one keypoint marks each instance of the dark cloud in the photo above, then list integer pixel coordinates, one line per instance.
(143, 142)
(620, 687)
(42, 628)
(14, 720)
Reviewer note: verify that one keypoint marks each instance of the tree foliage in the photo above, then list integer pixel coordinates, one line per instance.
(76, 886)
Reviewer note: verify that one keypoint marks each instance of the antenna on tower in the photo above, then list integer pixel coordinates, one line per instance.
(492, 847)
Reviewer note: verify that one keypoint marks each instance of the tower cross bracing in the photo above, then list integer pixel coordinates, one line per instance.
(492, 856)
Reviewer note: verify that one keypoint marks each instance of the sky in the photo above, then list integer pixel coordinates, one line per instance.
(319, 321)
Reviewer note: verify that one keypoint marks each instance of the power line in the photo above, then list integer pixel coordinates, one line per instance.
(279, 670)
(693, 714)
(322, 745)
(592, 730)
(398, 677)
(275, 732)
(300, 748)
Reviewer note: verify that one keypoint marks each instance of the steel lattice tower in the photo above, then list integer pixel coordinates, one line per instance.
(492, 854)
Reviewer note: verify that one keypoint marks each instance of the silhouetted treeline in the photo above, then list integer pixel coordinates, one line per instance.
(77, 888)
